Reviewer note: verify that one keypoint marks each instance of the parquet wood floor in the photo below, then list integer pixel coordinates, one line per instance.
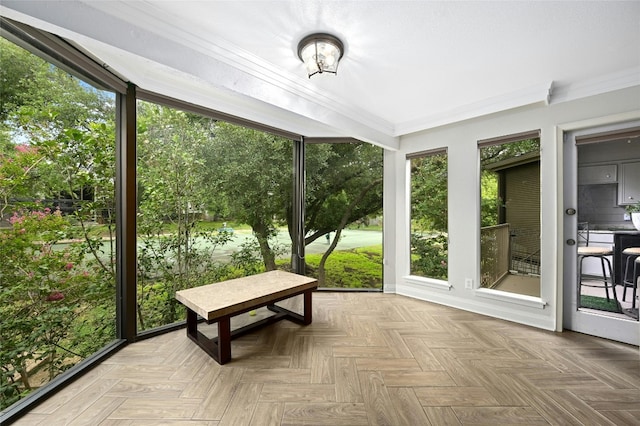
(367, 359)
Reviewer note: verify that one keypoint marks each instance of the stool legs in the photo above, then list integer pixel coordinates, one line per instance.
(626, 282)
(605, 282)
(636, 273)
(604, 277)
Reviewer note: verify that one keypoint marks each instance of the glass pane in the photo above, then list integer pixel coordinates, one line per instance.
(57, 223)
(429, 216)
(343, 217)
(607, 194)
(510, 217)
(214, 200)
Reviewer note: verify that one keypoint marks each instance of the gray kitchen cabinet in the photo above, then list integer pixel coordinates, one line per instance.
(629, 186)
(590, 175)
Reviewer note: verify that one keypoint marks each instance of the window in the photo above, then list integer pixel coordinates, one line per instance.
(429, 215)
(510, 214)
(213, 202)
(213, 199)
(344, 214)
(57, 221)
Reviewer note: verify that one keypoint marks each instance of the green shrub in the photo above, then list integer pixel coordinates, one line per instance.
(429, 256)
(356, 268)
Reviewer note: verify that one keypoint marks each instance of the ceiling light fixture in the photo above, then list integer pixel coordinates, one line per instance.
(320, 53)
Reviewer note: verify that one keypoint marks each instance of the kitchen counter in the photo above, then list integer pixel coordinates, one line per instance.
(617, 239)
(622, 240)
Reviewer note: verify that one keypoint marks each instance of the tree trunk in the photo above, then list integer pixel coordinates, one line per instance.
(343, 223)
(262, 234)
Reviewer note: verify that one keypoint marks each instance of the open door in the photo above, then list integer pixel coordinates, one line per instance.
(592, 160)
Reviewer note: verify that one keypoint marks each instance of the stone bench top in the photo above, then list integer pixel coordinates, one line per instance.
(234, 296)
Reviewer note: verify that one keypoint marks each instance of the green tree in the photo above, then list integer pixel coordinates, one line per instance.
(344, 185)
(429, 213)
(51, 114)
(47, 291)
(173, 193)
(429, 193)
(336, 176)
(57, 293)
(494, 153)
(18, 72)
(253, 170)
(490, 200)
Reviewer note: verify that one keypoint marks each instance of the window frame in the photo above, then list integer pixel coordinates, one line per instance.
(410, 278)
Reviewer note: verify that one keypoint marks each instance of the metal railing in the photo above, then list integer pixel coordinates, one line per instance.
(507, 250)
(495, 254)
(525, 251)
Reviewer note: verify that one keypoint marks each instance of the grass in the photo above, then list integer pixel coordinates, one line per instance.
(600, 303)
(168, 227)
(365, 227)
(204, 225)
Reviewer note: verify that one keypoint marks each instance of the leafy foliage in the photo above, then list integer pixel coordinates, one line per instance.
(57, 292)
(173, 189)
(490, 202)
(46, 289)
(252, 171)
(429, 256)
(633, 208)
(429, 193)
(500, 152)
(336, 175)
(429, 216)
(356, 268)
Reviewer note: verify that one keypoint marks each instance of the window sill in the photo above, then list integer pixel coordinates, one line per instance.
(427, 282)
(518, 299)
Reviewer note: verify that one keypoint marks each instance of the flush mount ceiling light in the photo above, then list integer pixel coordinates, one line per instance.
(320, 53)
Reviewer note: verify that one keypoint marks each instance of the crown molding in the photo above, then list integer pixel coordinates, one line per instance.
(548, 93)
(170, 27)
(596, 86)
(540, 93)
(238, 73)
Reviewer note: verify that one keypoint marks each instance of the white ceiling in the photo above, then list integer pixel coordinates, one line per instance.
(408, 65)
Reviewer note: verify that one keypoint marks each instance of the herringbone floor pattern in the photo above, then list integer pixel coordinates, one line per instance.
(367, 359)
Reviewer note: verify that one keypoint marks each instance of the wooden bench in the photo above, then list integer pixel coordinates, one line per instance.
(220, 301)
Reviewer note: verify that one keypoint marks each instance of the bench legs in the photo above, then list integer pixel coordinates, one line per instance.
(219, 348)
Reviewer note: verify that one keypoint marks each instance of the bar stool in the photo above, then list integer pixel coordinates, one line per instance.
(631, 276)
(601, 253)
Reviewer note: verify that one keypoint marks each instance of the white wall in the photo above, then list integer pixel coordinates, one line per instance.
(464, 225)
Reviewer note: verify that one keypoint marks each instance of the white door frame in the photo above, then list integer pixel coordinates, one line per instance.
(622, 330)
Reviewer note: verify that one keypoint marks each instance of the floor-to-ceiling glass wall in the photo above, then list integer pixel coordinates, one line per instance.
(57, 221)
(343, 214)
(213, 204)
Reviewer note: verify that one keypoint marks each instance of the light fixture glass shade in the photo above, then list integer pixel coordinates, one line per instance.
(320, 53)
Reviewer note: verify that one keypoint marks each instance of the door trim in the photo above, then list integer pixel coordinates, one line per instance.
(560, 130)
(627, 331)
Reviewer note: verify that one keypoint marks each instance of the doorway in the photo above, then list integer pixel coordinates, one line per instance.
(594, 215)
